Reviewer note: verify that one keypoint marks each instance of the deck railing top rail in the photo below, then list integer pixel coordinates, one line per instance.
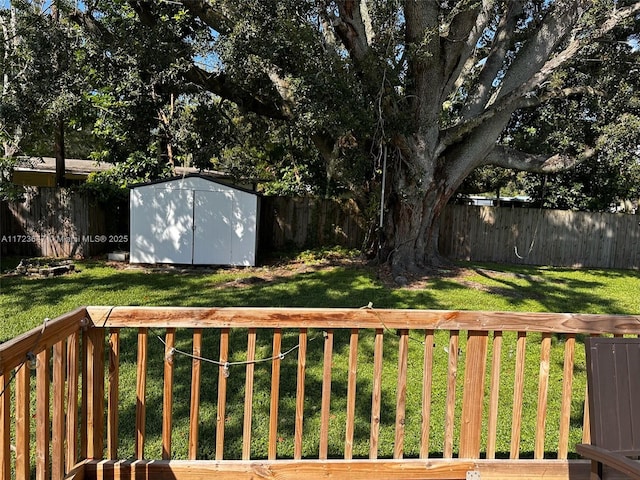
(245, 317)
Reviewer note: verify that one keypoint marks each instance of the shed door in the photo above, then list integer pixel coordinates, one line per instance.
(172, 226)
(213, 227)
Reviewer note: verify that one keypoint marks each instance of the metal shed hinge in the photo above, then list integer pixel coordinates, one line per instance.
(472, 475)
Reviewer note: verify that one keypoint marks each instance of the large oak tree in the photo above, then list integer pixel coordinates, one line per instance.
(425, 88)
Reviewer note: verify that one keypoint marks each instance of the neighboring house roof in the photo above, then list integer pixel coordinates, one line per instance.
(41, 171)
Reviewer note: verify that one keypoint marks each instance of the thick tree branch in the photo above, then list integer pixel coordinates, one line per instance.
(213, 15)
(506, 157)
(536, 51)
(461, 40)
(351, 29)
(502, 42)
(422, 41)
(219, 84)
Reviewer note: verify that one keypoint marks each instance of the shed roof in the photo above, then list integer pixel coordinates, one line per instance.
(219, 181)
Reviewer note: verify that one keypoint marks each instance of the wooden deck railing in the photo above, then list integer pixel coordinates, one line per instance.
(142, 392)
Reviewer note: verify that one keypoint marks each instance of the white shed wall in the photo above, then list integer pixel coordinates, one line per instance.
(193, 221)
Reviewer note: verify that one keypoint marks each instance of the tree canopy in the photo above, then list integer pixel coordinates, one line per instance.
(334, 95)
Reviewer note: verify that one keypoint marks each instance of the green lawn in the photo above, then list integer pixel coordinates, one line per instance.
(25, 302)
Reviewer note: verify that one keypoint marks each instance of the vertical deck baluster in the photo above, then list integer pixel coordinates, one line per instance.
(452, 375)
(5, 426)
(248, 396)
(57, 426)
(543, 392)
(194, 408)
(141, 393)
(94, 392)
(275, 394)
(73, 372)
(167, 396)
(113, 394)
(43, 425)
(325, 407)
(518, 391)
(473, 394)
(351, 393)
(427, 379)
(567, 386)
(494, 396)
(401, 393)
(300, 378)
(23, 421)
(223, 373)
(376, 394)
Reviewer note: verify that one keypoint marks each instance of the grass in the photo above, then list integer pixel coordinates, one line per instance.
(25, 302)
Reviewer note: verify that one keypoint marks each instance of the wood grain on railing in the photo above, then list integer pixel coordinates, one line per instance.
(73, 372)
(5, 426)
(167, 393)
(450, 407)
(57, 426)
(248, 395)
(567, 385)
(427, 384)
(275, 394)
(194, 409)
(494, 395)
(325, 404)
(223, 373)
(300, 379)
(113, 394)
(473, 394)
(141, 390)
(352, 375)
(543, 393)
(23, 422)
(376, 393)
(518, 394)
(43, 428)
(401, 393)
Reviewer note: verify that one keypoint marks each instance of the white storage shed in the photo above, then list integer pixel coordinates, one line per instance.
(193, 220)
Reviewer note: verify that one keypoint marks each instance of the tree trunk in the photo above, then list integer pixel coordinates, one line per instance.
(416, 201)
(58, 147)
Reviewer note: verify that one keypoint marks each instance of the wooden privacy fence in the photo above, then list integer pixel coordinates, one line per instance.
(187, 393)
(540, 237)
(61, 222)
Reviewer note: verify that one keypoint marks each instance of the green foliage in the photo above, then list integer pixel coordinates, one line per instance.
(113, 183)
(8, 190)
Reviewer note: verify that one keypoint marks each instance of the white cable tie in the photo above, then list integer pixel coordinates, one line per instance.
(44, 325)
